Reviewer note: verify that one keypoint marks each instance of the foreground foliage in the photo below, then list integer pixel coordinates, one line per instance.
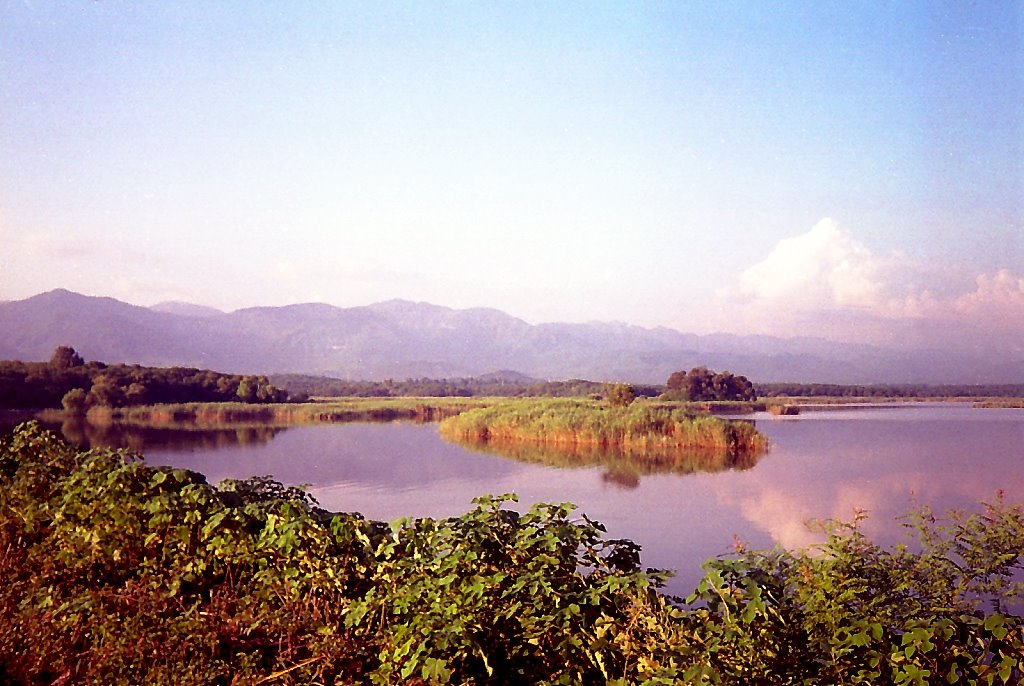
(119, 573)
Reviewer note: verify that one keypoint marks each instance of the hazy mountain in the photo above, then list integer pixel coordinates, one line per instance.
(400, 339)
(187, 309)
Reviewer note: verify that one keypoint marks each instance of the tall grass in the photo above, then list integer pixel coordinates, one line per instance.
(638, 427)
(285, 414)
(1000, 403)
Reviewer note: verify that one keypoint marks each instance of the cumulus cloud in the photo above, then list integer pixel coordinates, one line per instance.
(824, 267)
(824, 282)
(999, 296)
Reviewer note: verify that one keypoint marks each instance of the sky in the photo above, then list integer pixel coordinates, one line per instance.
(847, 170)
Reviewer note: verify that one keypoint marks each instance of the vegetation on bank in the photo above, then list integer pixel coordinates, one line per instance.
(699, 384)
(993, 403)
(501, 384)
(510, 384)
(888, 391)
(120, 573)
(284, 414)
(636, 427)
(69, 381)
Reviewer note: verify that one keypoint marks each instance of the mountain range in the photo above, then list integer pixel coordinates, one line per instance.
(400, 339)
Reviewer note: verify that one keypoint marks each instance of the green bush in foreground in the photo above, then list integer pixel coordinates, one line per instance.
(115, 572)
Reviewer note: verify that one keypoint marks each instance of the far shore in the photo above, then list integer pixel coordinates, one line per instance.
(433, 409)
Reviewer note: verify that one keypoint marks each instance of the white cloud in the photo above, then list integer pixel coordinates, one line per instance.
(999, 296)
(826, 283)
(823, 268)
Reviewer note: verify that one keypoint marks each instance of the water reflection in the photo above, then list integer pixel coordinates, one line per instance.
(620, 467)
(885, 463)
(145, 439)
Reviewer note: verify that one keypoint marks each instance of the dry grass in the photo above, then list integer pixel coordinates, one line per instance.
(215, 415)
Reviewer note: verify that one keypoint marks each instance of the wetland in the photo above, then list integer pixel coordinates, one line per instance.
(880, 459)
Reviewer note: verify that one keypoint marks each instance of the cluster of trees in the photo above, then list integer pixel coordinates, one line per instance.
(701, 384)
(68, 380)
(327, 387)
(119, 573)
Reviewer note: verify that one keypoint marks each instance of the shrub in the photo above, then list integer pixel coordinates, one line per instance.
(621, 395)
(74, 401)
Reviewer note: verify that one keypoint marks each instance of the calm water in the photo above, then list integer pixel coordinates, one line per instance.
(822, 464)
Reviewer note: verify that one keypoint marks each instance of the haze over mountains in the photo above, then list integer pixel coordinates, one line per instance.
(400, 339)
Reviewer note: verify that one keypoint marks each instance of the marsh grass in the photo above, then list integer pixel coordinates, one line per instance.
(641, 428)
(1000, 403)
(277, 414)
(712, 406)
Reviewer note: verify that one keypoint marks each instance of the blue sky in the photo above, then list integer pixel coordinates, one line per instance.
(851, 170)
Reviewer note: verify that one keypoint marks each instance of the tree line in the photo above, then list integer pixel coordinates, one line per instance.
(699, 384)
(485, 386)
(68, 380)
(891, 390)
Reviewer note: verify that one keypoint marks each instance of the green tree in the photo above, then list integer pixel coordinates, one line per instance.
(105, 392)
(268, 393)
(621, 395)
(248, 387)
(74, 401)
(675, 381)
(702, 384)
(65, 357)
(697, 385)
(136, 394)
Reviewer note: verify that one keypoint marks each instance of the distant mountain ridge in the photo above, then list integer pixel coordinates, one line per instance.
(187, 309)
(400, 339)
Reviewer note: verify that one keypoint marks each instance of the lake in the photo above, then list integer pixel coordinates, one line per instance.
(822, 464)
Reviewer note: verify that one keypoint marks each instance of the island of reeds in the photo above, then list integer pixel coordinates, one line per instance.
(638, 427)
